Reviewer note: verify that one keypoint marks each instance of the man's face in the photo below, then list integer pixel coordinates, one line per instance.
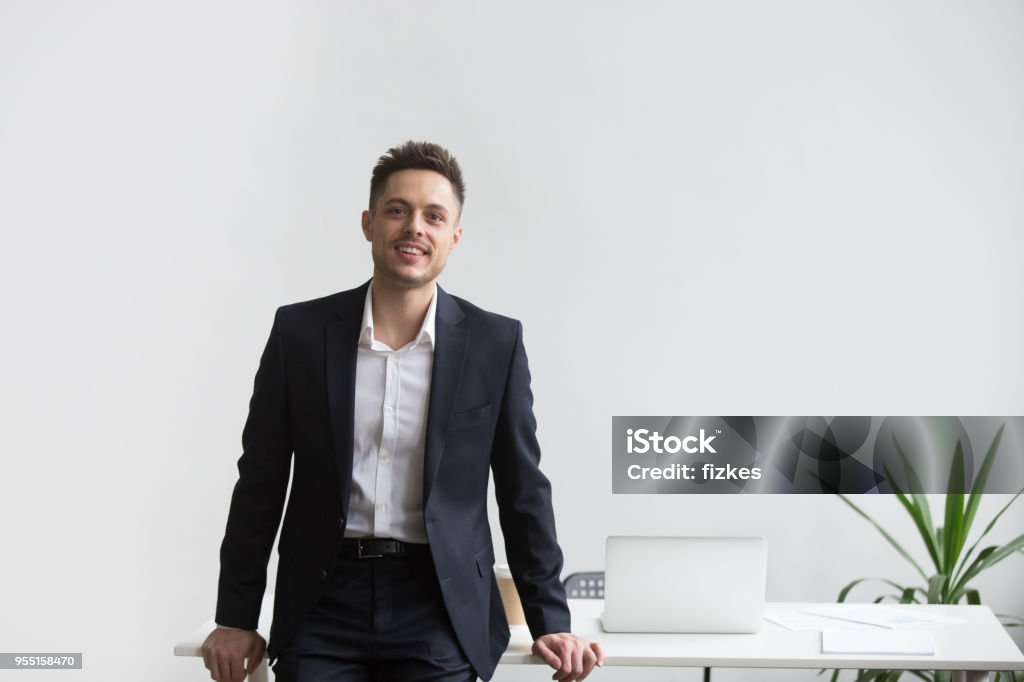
(413, 227)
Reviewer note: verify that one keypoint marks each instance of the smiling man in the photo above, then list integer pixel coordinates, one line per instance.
(397, 400)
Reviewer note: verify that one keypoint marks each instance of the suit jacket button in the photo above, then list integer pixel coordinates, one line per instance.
(323, 574)
(341, 522)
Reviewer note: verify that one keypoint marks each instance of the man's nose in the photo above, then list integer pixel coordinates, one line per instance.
(414, 225)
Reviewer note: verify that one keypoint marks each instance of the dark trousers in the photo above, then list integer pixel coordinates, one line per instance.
(377, 620)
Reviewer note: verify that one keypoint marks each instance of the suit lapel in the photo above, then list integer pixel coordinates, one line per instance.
(450, 346)
(341, 339)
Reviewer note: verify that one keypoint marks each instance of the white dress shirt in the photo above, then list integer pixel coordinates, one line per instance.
(392, 390)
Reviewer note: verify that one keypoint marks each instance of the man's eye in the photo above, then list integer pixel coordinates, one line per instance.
(435, 216)
(395, 210)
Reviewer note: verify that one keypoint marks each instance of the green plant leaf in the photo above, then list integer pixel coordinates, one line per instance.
(987, 559)
(921, 516)
(872, 675)
(846, 590)
(921, 500)
(978, 485)
(936, 588)
(957, 580)
(973, 597)
(885, 534)
(976, 567)
(953, 529)
(1006, 550)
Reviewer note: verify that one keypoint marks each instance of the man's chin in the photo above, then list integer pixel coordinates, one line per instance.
(410, 281)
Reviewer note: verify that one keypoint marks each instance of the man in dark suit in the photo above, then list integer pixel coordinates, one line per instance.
(397, 400)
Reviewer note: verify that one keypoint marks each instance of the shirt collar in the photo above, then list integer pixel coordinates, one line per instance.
(425, 335)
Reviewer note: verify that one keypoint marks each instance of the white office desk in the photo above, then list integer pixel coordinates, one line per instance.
(973, 647)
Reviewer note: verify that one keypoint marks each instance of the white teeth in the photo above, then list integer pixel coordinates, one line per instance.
(410, 249)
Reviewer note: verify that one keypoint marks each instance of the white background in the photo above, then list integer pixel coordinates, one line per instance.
(694, 208)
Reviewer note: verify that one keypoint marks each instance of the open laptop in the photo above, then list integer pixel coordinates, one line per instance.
(684, 584)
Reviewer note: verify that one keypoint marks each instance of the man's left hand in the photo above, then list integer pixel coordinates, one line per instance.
(572, 657)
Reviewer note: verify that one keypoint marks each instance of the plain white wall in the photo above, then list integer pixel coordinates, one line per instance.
(695, 208)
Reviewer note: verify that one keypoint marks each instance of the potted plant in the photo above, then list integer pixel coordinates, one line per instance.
(949, 578)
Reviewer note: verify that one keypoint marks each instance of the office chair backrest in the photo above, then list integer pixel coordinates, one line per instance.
(585, 585)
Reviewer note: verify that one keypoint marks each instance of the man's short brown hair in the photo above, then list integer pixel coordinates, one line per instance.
(419, 156)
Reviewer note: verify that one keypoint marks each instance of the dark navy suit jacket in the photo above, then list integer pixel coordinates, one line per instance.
(480, 419)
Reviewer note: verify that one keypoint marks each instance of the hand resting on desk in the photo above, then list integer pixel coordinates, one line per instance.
(225, 650)
(571, 656)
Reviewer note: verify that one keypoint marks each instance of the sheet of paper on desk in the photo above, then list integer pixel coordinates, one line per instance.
(872, 614)
(905, 642)
(795, 620)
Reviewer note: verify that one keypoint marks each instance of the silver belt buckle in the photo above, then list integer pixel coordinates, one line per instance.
(367, 556)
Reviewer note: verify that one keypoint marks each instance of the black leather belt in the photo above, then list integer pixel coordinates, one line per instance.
(379, 548)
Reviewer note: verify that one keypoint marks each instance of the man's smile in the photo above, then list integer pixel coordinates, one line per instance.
(411, 253)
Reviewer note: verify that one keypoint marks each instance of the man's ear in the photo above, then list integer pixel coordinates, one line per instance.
(367, 218)
(456, 236)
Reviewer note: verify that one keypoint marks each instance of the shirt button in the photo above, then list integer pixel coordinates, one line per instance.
(389, 408)
(323, 574)
(384, 454)
(381, 507)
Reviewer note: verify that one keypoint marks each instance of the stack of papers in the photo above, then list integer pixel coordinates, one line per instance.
(865, 628)
(881, 616)
(906, 642)
(791, 619)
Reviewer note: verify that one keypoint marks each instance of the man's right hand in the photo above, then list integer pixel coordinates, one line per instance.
(226, 648)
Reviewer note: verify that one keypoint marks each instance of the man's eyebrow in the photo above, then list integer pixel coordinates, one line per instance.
(406, 203)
